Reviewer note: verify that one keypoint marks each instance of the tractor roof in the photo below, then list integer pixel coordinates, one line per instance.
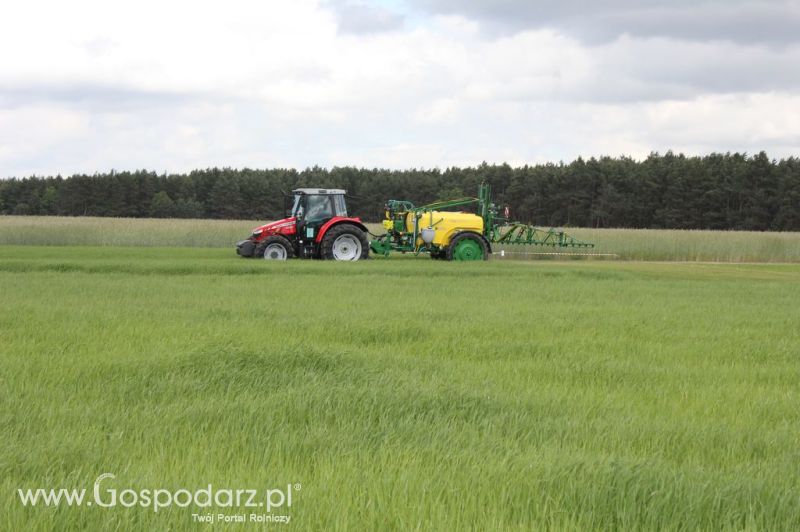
(318, 191)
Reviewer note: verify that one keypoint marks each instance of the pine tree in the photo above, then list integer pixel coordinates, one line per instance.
(162, 206)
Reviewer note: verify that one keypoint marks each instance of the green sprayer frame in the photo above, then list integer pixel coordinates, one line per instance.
(518, 233)
(497, 229)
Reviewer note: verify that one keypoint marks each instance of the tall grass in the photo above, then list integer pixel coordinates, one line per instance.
(97, 231)
(692, 245)
(623, 244)
(403, 394)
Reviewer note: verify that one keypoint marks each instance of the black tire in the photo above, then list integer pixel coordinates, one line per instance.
(460, 237)
(350, 238)
(271, 240)
(439, 255)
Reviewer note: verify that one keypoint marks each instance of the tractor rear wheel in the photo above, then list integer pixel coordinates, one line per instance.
(345, 242)
(275, 248)
(467, 246)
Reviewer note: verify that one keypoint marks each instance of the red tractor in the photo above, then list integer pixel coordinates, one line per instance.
(317, 227)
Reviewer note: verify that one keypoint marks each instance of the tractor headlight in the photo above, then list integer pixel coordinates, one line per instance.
(257, 232)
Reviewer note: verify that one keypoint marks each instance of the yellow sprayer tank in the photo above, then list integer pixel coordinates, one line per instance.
(445, 225)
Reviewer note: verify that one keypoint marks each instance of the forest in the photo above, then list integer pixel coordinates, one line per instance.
(716, 191)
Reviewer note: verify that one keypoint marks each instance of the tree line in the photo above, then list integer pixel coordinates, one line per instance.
(716, 191)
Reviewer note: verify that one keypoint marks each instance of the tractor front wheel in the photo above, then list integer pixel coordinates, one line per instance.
(467, 246)
(275, 248)
(345, 242)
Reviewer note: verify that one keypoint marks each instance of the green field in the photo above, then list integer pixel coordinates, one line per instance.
(626, 244)
(403, 394)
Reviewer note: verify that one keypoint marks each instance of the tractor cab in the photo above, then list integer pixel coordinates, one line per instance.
(316, 226)
(314, 205)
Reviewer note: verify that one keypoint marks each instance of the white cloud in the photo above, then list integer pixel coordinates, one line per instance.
(178, 85)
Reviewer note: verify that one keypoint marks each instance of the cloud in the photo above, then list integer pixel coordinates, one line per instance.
(740, 21)
(256, 84)
(363, 19)
(98, 97)
(630, 69)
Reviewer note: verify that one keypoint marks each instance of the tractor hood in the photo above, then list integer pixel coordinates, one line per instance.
(285, 226)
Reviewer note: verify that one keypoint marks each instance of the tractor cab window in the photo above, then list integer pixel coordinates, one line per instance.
(341, 207)
(298, 208)
(318, 207)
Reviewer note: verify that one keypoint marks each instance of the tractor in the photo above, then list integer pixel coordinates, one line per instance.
(316, 227)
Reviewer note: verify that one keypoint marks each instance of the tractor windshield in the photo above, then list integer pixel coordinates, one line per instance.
(312, 207)
(318, 207)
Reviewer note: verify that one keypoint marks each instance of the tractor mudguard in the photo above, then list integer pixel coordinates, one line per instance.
(337, 220)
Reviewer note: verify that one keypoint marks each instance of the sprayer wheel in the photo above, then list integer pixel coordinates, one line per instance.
(467, 246)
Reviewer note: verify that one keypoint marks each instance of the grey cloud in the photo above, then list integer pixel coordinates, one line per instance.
(361, 19)
(637, 70)
(632, 70)
(773, 22)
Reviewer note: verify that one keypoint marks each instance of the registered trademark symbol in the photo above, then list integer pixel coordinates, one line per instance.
(88, 503)
(298, 487)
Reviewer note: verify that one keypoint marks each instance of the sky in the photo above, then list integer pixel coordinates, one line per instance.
(170, 86)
